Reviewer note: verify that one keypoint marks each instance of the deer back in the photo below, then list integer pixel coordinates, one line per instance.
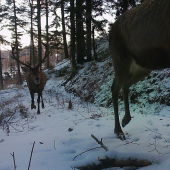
(143, 33)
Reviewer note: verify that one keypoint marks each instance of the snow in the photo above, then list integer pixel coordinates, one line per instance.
(62, 135)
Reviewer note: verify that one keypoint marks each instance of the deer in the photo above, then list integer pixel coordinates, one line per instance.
(36, 80)
(139, 42)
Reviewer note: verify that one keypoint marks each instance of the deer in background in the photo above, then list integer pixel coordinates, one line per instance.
(139, 42)
(36, 80)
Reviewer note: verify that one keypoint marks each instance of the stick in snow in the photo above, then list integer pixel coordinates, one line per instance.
(99, 142)
(31, 156)
(14, 161)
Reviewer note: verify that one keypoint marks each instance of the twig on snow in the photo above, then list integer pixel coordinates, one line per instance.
(99, 142)
(155, 149)
(54, 145)
(14, 160)
(127, 143)
(156, 132)
(31, 156)
(85, 152)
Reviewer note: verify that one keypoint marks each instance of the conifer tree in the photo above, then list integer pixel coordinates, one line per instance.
(16, 22)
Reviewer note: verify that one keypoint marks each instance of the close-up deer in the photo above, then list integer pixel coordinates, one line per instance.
(36, 80)
(139, 42)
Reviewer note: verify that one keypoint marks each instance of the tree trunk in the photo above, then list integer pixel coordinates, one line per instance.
(79, 32)
(1, 78)
(73, 62)
(94, 45)
(88, 25)
(47, 35)
(16, 45)
(39, 32)
(64, 31)
(32, 37)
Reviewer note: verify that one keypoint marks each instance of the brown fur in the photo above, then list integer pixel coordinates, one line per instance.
(35, 87)
(36, 80)
(139, 43)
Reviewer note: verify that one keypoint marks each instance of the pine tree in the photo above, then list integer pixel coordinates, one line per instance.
(15, 23)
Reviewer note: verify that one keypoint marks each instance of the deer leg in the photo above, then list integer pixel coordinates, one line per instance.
(134, 77)
(127, 118)
(32, 102)
(38, 101)
(115, 93)
(42, 100)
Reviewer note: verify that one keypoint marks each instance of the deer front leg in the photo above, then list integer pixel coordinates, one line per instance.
(38, 101)
(115, 92)
(127, 118)
(42, 100)
(32, 100)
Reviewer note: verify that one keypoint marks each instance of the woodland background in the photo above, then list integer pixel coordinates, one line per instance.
(72, 30)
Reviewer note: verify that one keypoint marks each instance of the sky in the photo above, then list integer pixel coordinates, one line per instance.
(25, 39)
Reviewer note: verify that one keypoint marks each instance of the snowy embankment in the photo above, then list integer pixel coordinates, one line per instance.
(62, 136)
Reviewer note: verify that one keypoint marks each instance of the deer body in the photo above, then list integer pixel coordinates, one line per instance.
(139, 43)
(36, 81)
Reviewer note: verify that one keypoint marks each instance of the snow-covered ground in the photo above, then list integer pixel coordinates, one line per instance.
(63, 136)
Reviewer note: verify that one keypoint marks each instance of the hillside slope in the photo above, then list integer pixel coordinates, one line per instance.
(93, 82)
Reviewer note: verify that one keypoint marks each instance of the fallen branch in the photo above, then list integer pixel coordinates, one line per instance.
(31, 156)
(124, 162)
(99, 142)
(113, 162)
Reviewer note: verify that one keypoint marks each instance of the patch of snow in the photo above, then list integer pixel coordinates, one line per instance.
(62, 135)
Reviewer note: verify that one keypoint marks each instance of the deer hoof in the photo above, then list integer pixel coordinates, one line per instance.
(38, 112)
(43, 105)
(125, 121)
(33, 107)
(121, 136)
